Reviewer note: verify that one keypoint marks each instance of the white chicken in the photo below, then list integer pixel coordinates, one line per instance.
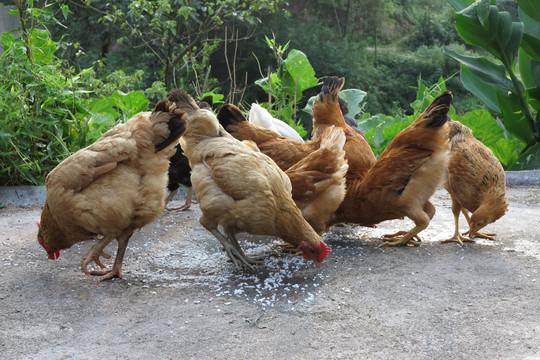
(262, 117)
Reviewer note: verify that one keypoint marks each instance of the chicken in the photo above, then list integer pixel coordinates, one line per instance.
(318, 180)
(284, 151)
(327, 112)
(476, 182)
(110, 188)
(179, 170)
(242, 190)
(262, 117)
(404, 177)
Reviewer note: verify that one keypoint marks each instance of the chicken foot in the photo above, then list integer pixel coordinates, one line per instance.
(457, 237)
(187, 204)
(402, 232)
(421, 219)
(235, 253)
(94, 254)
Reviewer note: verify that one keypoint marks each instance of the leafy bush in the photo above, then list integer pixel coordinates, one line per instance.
(508, 82)
(47, 112)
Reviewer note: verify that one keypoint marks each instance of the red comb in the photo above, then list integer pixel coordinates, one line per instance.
(324, 251)
(38, 224)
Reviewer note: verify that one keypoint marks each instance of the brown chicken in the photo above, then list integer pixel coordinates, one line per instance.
(110, 188)
(283, 150)
(404, 177)
(242, 190)
(318, 180)
(327, 112)
(476, 182)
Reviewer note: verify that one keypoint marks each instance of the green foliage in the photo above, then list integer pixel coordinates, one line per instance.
(507, 83)
(293, 76)
(46, 112)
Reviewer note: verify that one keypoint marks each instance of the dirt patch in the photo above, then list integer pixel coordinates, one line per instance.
(180, 298)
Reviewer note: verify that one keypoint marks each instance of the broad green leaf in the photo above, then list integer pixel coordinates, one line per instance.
(299, 68)
(41, 45)
(485, 70)
(531, 8)
(529, 160)
(530, 25)
(483, 126)
(535, 71)
(504, 29)
(480, 89)
(354, 98)
(459, 5)
(506, 151)
(525, 69)
(514, 119)
(531, 45)
(512, 46)
(7, 40)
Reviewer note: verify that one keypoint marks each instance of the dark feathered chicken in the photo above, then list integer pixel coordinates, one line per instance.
(179, 170)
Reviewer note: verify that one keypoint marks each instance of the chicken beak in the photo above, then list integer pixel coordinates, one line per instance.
(318, 264)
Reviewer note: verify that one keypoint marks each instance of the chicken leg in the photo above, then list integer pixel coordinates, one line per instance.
(457, 237)
(235, 253)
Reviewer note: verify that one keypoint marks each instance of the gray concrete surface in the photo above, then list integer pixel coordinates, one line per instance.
(181, 299)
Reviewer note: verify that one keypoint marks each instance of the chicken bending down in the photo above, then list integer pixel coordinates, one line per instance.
(241, 190)
(318, 180)
(476, 183)
(179, 170)
(110, 188)
(283, 150)
(404, 177)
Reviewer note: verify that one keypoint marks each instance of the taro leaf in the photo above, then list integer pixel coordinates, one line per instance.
(506, 151)
(483, 126)
(298, 66)
(354, 98)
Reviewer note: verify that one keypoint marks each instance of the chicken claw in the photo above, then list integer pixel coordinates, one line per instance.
(457, 238)
(290, 249)
(488, 236)
(235, 253)
(402, 232)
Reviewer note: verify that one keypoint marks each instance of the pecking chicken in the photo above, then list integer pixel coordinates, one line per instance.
(404, 177)
(476, 183)
(262, 117)
(242, 190)
(179, 170)
(327, 112)
(110, 188)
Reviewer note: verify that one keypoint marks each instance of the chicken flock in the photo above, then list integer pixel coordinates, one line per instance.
(257, 176)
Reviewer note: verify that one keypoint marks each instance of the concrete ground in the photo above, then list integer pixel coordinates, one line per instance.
(181, 299)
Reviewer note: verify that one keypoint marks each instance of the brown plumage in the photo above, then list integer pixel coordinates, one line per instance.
(241, 189)
(404, 177)
(110, 188)
(283, 150)
(327, 112)
(476, 183)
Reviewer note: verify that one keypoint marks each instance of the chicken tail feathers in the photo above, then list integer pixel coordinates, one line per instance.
(331, 88)
(183, 101)
(437, 111)
(168, 125)
(229, 114)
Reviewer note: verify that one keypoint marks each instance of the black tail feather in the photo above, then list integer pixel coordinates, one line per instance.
(229, 114)
(438, 110)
